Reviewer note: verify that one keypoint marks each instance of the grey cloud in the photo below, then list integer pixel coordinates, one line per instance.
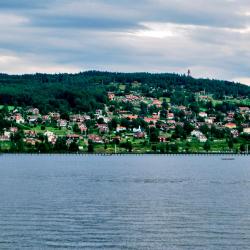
(22, 4)
(102, 34)
(84, 22)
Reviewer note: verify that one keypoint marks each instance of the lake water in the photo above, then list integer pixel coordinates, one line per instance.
(124, 202)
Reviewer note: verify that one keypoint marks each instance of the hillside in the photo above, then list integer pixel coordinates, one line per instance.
(87, 91)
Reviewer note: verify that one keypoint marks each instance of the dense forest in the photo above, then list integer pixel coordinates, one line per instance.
(86, 91)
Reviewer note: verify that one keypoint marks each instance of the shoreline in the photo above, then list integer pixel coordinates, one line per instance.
(130, 154)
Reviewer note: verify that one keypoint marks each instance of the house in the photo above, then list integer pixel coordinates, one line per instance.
(83, 128)
(32, 141)
(163, 138)
(62, 123)
(209, 120)
(199, 135)
(73, 136)
(202, 138)
(131, 98)
(18, 119)
(139, 135)
(103, 128)
(132, 117)
(76, 118)
(4, 138)
(157, 103)
(246, 130)
(32, 119)
(51, 137)
(183, 108)
(170, 116)
(150, 120)
(34, 111)
(45, 118)
(235, 133)
(120, 129)
(203, 114)
(95, 138)
(111, 96)
(137, 130)
(230, 125)
(244, 110)
(230, 115)
(30, 133)
(13, 130)
(54, 116)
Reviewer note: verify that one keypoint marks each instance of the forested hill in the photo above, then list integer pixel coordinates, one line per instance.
(86, 91)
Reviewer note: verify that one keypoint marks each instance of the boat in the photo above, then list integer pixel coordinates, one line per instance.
(228, 159)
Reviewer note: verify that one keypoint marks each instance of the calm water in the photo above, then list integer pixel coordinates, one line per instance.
(125, 202)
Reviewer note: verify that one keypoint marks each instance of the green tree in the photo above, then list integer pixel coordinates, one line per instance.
(73, 147)
(207, 145)
(90, 147)
(154, 134)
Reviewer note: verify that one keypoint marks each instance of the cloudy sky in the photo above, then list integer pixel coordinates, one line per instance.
(210, 37)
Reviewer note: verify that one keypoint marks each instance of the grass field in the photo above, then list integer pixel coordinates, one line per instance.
(10, 108)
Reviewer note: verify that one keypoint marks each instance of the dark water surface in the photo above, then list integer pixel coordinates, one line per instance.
(125, 202)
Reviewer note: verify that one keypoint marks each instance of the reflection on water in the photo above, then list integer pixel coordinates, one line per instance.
(146, 202)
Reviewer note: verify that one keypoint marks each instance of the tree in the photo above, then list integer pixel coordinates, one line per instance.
(207, 146)
(154, 134)
(174, 148)
(144, 108)
(164, 104)
(90, 147)
(242, 147)
(230, 143)
(188, 128)
(154, 148)
(73, 147)
(204, 129)
(167, 148)
(113, 124)
(179, 132)
(129, 146)
(76, 129)
(43, 147)
(162, 148)
(60, 145)
(195, 107)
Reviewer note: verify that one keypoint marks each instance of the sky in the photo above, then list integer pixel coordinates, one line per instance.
(209, 37)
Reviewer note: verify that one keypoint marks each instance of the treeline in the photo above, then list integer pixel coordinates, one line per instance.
(87, 91)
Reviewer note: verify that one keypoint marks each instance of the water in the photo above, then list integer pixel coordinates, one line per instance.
(125, 202)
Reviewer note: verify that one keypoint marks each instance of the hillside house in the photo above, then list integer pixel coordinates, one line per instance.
(230, 125)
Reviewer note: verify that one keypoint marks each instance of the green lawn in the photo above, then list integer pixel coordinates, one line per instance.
(245, 102)
(10, 108)
(56, 131)
(122, 87)
(5, 145)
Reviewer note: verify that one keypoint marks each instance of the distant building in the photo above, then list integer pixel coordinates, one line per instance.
(230, 125)
(203, 114)
(246, 130)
